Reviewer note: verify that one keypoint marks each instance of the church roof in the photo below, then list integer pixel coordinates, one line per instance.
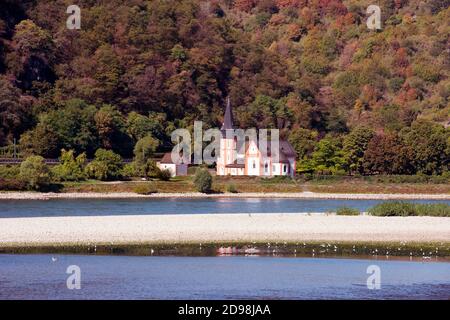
(228, 119)
(286, 150)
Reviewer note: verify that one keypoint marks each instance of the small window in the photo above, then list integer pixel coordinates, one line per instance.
(266, 167)
(254, 164)
(273, 168)
(284, 168)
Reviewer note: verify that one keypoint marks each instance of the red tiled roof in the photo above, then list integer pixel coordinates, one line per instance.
(167, 159)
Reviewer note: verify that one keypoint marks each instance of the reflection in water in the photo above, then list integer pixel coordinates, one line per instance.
(121, 277)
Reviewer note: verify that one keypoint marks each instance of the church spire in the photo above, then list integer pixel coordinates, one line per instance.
(228, 119)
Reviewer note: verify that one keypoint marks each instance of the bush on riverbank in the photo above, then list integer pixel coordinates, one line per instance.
(203, 180)
(70, 168)
(404, 209)
(35, 172)
(107, 165)
(164, 175)
(9, 171)
(231, 188)
(145, 189)
(346, 211)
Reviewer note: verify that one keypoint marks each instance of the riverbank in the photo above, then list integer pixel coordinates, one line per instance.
(294, 195)
(170, 231)
(260, 185)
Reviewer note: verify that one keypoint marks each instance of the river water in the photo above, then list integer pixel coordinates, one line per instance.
(125, 277)
(102, 207)
(235, 277)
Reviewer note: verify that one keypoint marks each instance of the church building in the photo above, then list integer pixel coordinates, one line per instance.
(253, 162)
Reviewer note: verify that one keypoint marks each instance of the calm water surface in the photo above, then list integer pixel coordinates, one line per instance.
(99, 207)
(124, 277)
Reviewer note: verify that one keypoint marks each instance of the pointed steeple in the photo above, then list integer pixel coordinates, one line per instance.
(228, 119)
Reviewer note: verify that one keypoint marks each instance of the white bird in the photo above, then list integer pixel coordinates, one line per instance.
(54, 259)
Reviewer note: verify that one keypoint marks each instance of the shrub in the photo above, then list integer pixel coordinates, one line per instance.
(396, 208)
(145, 188)
(203, 180)
(147, 169)
(231, 188)
(152, 169)
(164, 175)
(128, 171)
(144, 149)
(346, 211)
(399, 208)
(12, 185)
(9, 172)
(35, 172)
(433, 209)
(107, 165)
(70, 168)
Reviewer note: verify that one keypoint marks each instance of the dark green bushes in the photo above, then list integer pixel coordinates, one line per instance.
(107, 165)
(203, 181)
(346, 211)
(404, 209)
(164, 175)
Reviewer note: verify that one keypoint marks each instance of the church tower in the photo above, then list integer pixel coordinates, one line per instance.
(227, 143)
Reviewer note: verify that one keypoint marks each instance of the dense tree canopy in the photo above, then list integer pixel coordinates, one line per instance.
(311, 68)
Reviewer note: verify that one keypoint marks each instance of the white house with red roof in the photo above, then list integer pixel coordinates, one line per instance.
(176, 169)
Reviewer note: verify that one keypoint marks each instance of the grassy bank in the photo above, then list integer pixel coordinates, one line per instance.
(398, 184)
(307, 249)
(254, 184)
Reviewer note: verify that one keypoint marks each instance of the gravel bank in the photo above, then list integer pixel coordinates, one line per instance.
(219, 227)
(299, 195)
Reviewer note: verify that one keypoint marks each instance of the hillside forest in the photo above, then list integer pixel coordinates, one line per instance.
(349, 99)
